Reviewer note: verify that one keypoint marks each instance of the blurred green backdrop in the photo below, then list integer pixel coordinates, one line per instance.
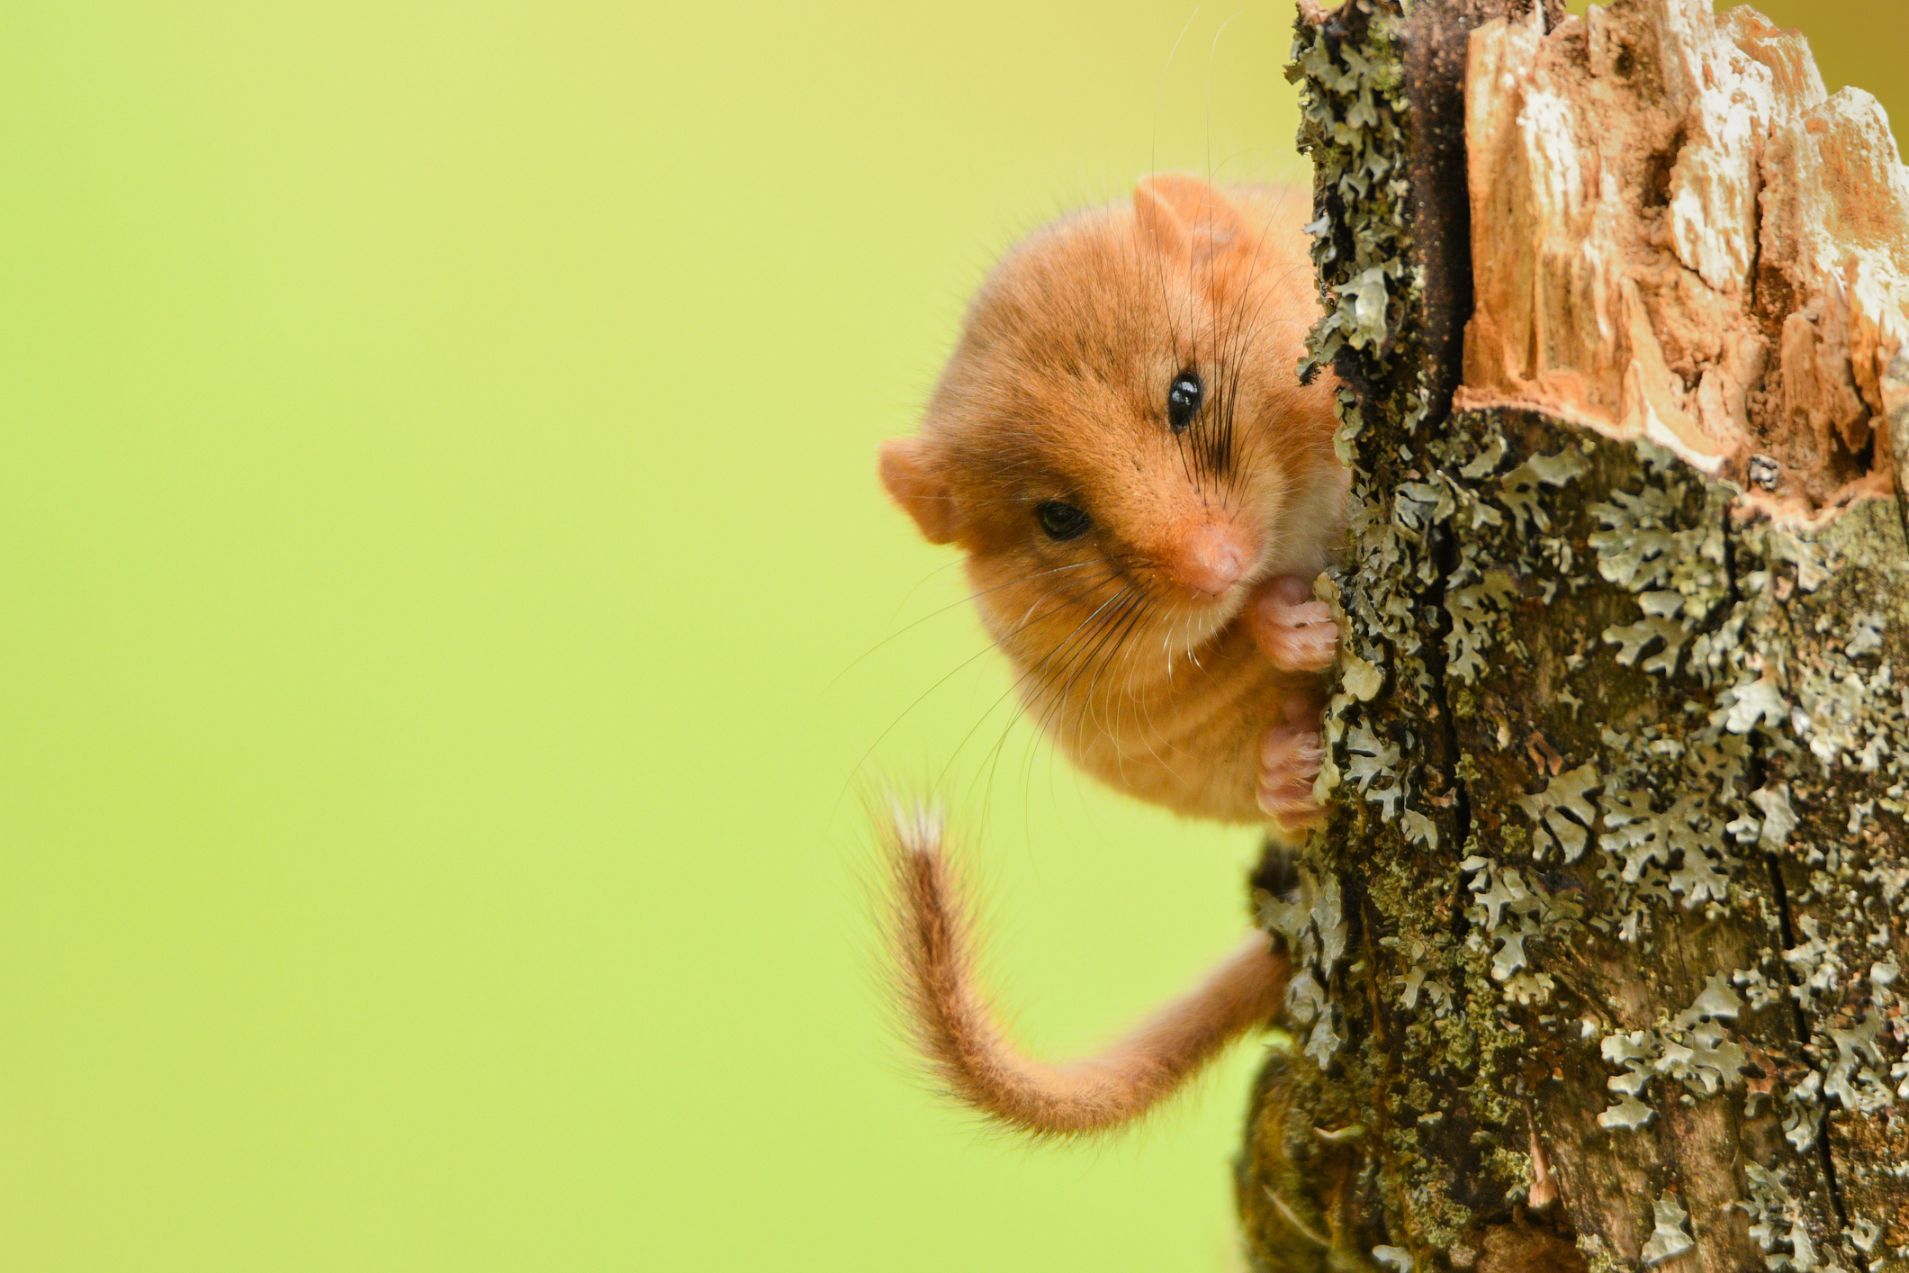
(451, 623)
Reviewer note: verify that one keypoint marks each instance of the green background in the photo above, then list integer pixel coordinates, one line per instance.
(452, 627)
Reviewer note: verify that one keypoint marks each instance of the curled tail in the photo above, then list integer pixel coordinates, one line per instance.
(958, 1033)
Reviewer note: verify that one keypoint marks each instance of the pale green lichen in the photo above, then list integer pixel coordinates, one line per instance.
(1310, 921)
(1565, 811)
(1507, 909)
(1681, 810)
(1662, 803)
(1693, 1048)
(1669, 1237)
(1777, 1222)
(1356, 127)
(1352, 124)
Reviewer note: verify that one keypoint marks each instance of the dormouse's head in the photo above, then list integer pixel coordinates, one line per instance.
(1120, 442)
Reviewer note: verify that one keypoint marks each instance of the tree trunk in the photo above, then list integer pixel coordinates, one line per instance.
(1603, 944)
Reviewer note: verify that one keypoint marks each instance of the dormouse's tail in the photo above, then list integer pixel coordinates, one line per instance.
(959, 1036)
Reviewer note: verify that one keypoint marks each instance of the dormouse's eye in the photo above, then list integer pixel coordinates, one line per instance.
(1062, 521)
(1183, 400)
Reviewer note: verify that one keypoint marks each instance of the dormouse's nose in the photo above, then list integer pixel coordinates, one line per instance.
(1209, 559)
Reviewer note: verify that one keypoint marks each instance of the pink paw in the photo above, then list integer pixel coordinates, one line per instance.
(1295, 632)
(1288, 763)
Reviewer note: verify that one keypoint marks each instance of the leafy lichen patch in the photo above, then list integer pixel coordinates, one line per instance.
(1617, 863)
(1670, 1236)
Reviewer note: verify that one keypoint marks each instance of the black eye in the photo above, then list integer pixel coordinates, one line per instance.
(1062, 521)
(1183, 400)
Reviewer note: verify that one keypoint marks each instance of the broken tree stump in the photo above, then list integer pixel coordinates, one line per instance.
(1602, 948)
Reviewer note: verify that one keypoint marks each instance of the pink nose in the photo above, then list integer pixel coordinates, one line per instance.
(1209, 560)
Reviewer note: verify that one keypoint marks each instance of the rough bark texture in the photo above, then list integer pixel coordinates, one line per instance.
(1602, 945)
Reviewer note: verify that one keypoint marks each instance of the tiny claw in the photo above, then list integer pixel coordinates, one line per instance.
(1294, 631)
(1289, 759)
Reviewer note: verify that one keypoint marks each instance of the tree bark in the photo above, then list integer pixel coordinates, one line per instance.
(1602, 946)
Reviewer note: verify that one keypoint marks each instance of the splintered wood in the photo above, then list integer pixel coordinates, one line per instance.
(1712, 251)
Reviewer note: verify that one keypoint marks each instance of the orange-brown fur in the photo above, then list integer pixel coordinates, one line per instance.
(958, 1033)
(1143, 659)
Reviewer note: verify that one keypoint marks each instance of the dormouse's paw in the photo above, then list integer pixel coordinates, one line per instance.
(1288, 763)
(1294, 631)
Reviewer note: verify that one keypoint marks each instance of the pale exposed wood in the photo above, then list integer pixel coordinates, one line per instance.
(1712, 252)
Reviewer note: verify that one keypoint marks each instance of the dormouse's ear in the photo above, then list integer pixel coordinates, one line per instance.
(1185, 217)
(921, 492)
